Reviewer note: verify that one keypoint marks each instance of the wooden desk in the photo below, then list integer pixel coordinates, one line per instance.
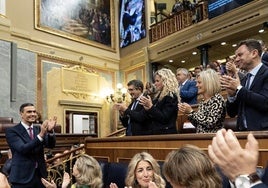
(122, 149)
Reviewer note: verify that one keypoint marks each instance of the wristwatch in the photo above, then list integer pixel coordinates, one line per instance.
(238, 88)
(245, 180)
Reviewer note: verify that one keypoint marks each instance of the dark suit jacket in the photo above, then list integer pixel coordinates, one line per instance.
(255, 101)
(138, 119)
(26, 153)
(264, 58)
(188, 92)
(163, 115)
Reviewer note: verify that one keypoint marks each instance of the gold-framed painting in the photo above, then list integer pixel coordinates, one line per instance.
(87, 21)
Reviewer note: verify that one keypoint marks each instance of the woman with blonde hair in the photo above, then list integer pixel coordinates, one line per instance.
(162, 109)
(191, 167)
(143, 172)
(87, 173)
(211, 110)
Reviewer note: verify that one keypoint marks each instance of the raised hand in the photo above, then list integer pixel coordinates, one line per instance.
(51, 123)
(48, 184)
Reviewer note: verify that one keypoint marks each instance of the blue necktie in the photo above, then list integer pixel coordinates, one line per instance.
(247, 85)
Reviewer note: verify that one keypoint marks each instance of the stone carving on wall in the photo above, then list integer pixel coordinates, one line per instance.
(79, 82)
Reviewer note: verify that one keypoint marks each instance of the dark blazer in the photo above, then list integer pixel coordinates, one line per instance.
(255, 101)
(163, 115)
(138, 119)
(27, 153)
(264, 179)
(188, 92)
(264, 58)
(261, 185)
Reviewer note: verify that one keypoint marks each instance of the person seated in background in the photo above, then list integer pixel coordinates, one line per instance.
(38, 118)
(215, 65)
(187, 87)
(211, 111)
(149, 89)
(177, 7)
(233, 70)
(237, 163)
(162, 110)
(143, 172)
(87, 173)
(189, 166)
(264, 54)
(197, 71)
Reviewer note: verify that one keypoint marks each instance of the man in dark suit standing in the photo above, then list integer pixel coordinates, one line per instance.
(133, 116)
(27, 144)
(188, 89)
(248, 99)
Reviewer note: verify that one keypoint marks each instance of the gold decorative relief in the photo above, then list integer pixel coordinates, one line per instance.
(79, 82)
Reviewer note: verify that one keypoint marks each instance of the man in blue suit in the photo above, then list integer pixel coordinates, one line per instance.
(248, 99)
(188, 89)
(27, 144)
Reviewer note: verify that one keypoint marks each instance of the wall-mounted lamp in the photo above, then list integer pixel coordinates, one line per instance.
(117, 96)
(265, 24)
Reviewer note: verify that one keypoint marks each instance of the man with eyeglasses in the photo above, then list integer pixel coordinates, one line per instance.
(133, 116)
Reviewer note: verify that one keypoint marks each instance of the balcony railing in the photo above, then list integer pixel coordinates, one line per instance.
(178, 21)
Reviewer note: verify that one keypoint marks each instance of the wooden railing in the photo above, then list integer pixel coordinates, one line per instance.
(124, 148)
(118, 133)
(178, 22)
(61, 163)
(63, 142)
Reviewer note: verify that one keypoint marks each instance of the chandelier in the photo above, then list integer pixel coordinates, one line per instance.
(117, 96)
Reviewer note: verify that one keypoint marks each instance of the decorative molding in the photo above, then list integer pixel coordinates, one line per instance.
(80, 104)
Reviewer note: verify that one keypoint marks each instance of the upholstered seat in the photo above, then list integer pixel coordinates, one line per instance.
(6, 120)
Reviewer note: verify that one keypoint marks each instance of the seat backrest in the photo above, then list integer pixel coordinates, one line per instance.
(230, 123)
(114, 173)
(6, 120)
(4, 126)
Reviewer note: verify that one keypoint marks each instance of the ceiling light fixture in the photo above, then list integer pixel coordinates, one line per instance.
(234, 45)
(170, 61)
(182, 61)
(264, 25)
(194, 53)
(223, 43)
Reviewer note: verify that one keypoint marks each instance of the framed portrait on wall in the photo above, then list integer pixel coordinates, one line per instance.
(85, 21)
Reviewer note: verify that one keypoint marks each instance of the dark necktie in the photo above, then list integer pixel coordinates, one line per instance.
(31, 133)
(133, 106)
(247, 86)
